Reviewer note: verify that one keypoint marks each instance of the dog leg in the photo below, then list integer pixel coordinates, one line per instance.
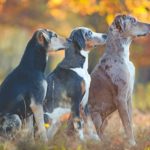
(39, 119)
(90, 129)
(78, 126)
(29, 127)
(124, 115)
(86, 95)
(130, 115)
(97, 120)
(103, 126)
(53, 129)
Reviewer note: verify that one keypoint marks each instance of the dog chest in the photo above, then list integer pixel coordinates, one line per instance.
(131, 70)
(83, 72)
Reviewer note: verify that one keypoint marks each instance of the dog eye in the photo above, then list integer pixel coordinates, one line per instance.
(88, 34)
(133, 20)
(55, 35)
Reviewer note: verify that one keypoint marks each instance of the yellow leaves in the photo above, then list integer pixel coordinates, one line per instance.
(109, 18)
(59, 14)
(139, 9)
(54, 3)
(82, 7)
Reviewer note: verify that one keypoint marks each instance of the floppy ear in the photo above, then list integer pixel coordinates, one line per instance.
(42, 37)
(119, 23)
(78, 38)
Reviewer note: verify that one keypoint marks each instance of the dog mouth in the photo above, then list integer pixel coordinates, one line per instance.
(142, 34)
(61, 48)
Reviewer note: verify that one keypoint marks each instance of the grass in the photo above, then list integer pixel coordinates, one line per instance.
(114, 134)
(114, 138)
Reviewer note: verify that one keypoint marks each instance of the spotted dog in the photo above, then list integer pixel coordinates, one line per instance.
(112, 80)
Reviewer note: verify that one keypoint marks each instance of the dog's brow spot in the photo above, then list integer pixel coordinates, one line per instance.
(103, 60)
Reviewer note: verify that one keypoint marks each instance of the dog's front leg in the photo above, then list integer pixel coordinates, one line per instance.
(87, 87)
(122, 107)
(38, 112)
(55, 126)
(29, 126)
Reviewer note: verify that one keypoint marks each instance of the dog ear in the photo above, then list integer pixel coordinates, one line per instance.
(119, 22)
(42, 37)
(78, 39)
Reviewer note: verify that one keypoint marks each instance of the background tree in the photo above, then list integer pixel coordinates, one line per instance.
(19, 18)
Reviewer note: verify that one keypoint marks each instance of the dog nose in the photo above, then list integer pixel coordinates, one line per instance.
(104, 36)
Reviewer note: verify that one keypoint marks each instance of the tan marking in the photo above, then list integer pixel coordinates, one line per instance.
(89, 45)
(40, 38)
(83, 87)
(65, 117)
(38, 112)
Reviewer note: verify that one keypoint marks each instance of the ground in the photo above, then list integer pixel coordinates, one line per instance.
(114, 138)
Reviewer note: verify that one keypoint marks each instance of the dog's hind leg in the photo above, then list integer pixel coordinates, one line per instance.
(103, 126)
(97, 120)
(38, 112)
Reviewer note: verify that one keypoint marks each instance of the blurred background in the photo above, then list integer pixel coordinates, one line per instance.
(20, 18)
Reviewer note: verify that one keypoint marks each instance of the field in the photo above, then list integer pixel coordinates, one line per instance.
(114, 138)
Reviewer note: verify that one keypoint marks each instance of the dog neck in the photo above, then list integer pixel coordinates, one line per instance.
(73, 58)
(86, 55)
(118, 45)
(35, 56)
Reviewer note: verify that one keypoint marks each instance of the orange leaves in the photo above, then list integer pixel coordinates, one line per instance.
(58, 14)
(62, 9)
(1, 4)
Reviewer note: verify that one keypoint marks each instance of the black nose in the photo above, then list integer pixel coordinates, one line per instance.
(104, 36)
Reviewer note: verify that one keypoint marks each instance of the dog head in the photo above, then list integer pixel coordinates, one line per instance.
(86, 39)
(50, 40)
(128, 26)
(9, 125)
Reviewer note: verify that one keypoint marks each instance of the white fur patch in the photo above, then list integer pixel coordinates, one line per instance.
(57, 113)
(83, 72)
(56, 43)
(130, 66)
(81, 135)
(44, 84)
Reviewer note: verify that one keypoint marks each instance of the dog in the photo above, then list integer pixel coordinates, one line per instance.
(10, 125)
(24, 89)
(68, 84)
(112, 80)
